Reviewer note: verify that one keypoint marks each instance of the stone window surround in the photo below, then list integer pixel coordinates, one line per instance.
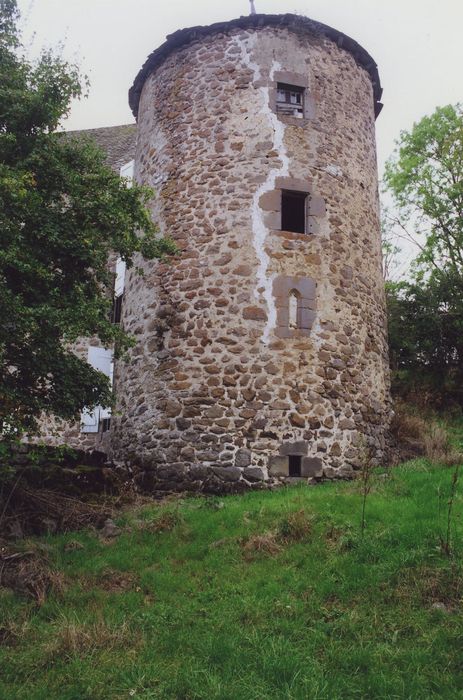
(298, 80)
(305, 287)
(310, 466)
(270, 203)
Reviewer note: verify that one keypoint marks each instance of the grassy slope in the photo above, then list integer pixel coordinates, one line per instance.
(163, 614)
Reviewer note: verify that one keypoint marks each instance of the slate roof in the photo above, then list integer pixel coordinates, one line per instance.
(118, 142)
(296, 23)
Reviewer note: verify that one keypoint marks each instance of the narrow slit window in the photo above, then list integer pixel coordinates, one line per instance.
(294, 310)
(295, 465)
(290, 100)
(293, 211)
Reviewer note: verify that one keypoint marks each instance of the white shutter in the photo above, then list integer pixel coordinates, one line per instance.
(102, 360)
(106, 412)
(90, 420)
(126, 172)
(120, 278)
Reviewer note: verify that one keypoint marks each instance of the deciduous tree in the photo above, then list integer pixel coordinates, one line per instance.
(62, 213)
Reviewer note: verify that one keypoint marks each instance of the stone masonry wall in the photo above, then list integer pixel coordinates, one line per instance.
(216, 394)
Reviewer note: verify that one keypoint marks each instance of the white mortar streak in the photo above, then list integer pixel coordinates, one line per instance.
(259, 230)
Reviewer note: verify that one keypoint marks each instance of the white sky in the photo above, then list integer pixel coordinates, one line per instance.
(417, 45)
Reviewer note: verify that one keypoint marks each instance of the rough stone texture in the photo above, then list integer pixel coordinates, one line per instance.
(218, 392)
(211, 391)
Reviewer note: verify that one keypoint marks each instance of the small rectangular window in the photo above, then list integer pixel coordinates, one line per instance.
(290, 100)
(293, 211)
(295, 465)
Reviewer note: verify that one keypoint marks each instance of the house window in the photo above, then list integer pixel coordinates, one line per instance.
(295, 463)
(117, 309)
(290, 100)
(102, 360)
(293, 211)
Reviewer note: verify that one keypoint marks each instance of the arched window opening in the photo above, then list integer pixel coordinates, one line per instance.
(294, 310)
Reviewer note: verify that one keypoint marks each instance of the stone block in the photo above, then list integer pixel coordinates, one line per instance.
(255, 474)
(317, 206)
(291, 183)
(254, 313)
(183, 423)
(311, 467)
(243, 458)
(307, 318)
(278, 466)
(272, 220)
(310, 106)
(172, 408)
(291, 78)
(297, 420)
(228, 473)
(294, 448)
(346, 424)
(270, 201)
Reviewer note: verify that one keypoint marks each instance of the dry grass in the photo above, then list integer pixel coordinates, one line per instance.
(425, 585)
(13, 632)
(29, 511)
(28, 571)
(438, 448)
(408, 430)
(415, 435)
(117, 581)
(165, 522)
(295, 527)
(266, 543)
(74, 638)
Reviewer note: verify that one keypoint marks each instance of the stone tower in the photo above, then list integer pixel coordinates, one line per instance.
(261, 349)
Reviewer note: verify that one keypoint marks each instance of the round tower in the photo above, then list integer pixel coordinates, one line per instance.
(261, 348)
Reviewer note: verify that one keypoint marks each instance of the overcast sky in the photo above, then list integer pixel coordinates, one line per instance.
(417, 45)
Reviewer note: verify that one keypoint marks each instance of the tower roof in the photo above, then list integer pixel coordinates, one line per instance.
(296, 23)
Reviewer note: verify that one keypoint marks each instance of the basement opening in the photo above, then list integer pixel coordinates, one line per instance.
(293, 211)
(295, 463)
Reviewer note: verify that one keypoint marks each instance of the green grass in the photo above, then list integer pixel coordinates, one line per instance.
(319, 613)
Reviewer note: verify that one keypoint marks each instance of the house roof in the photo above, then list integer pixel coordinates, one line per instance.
(117, 142)
(296, 23)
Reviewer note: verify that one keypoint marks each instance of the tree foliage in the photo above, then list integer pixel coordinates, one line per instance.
(62, 213)
(426, 340)
(425, 176)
